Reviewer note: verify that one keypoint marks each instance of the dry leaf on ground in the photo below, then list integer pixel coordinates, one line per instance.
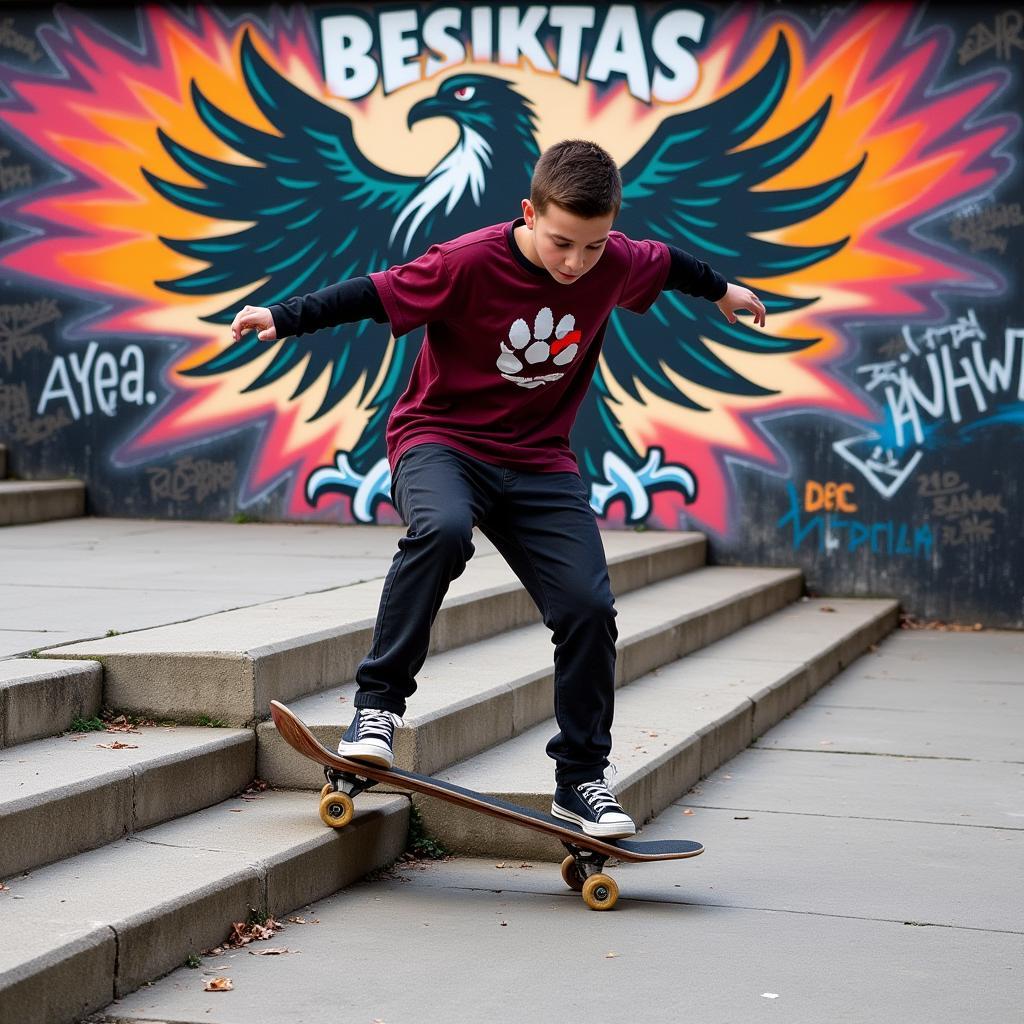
(218, 985)
(118, 745)
(242, 934)
(272, 951)
(121, 724)
(912, 622)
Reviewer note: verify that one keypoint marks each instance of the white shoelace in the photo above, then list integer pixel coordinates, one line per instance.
(377, 725)
(599, 797)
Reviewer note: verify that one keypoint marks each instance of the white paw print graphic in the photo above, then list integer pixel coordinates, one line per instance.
(527, 349)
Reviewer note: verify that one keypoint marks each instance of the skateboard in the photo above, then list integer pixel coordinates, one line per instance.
(582, 870)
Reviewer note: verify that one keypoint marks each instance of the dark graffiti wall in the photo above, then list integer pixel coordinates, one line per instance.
(858, 165)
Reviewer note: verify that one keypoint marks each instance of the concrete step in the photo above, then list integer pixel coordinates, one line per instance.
(480, 695)
(41, 697)
(673, 726)
(36, 501)
(231, 664)
(67, 794)
(99, 925)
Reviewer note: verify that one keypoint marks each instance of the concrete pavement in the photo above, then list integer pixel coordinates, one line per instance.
(79, 579)
(863, 864)
(861, 860)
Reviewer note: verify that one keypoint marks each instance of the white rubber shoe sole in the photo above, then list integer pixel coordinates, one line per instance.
(610, 830)
(371, 753)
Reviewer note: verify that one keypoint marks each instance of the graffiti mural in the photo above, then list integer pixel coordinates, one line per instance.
(857, 165)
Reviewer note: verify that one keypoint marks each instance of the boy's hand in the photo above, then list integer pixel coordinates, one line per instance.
(256, 318)
(737, 297)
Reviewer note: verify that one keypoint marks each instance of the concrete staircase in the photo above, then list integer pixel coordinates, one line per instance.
(36, 501)
(125, 853)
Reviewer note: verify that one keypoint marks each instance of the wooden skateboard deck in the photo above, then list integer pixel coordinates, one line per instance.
(587, 854)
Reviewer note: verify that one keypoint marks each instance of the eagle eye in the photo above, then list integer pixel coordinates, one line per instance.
(467, 92)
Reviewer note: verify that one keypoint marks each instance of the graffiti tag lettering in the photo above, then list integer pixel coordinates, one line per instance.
(16, 417)
(13, 402)
(831, 497)
(13, 176)
(978, 226)
(950, 382)
(18, 322)
(833, 534)
(100, 379)
(190, 479)
(962, 512)
(12, 39)
(963, 380)
(1004, 37)
(968, 530)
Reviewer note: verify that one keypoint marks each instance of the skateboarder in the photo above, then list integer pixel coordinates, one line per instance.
(515, 316)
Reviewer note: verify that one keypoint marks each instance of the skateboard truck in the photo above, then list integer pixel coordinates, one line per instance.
(337, 798)
(583, 872)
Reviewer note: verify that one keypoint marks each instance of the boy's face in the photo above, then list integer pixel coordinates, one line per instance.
(566, 245)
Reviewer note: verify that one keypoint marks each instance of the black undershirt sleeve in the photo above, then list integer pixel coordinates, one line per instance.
(691, 275)
(344, 303)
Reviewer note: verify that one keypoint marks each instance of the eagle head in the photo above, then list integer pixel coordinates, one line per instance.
(479, 102)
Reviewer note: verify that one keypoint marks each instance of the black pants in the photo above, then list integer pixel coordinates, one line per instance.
(543, 526)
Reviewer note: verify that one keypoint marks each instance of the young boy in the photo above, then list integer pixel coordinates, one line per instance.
(515, 317)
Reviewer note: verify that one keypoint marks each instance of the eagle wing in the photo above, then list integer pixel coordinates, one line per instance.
(694, 159)
(319, 213)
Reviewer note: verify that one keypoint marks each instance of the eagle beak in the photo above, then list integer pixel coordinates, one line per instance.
(429, 107)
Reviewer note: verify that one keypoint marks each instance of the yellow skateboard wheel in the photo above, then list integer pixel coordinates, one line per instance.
(571, 874)
(327, 789)
(336, 809)
(600, 892)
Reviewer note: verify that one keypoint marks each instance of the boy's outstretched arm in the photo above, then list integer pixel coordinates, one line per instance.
(693, 276)
(344, 303)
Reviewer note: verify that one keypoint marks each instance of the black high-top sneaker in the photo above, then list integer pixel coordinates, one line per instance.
(371, 737)
(593, 807)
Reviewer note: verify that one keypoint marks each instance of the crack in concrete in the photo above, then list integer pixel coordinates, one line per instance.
(181, 846)
(765, 910)
(117, 962)
(850, 817)
(877, 753)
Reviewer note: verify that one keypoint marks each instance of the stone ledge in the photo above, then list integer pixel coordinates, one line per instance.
(42, 697)
(101, 924)
(23, 501)
(61, 796)
(231, 664)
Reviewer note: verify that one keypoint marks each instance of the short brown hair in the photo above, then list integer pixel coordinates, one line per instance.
(579, 176)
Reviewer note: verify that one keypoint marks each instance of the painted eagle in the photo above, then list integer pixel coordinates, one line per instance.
(320, 213)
